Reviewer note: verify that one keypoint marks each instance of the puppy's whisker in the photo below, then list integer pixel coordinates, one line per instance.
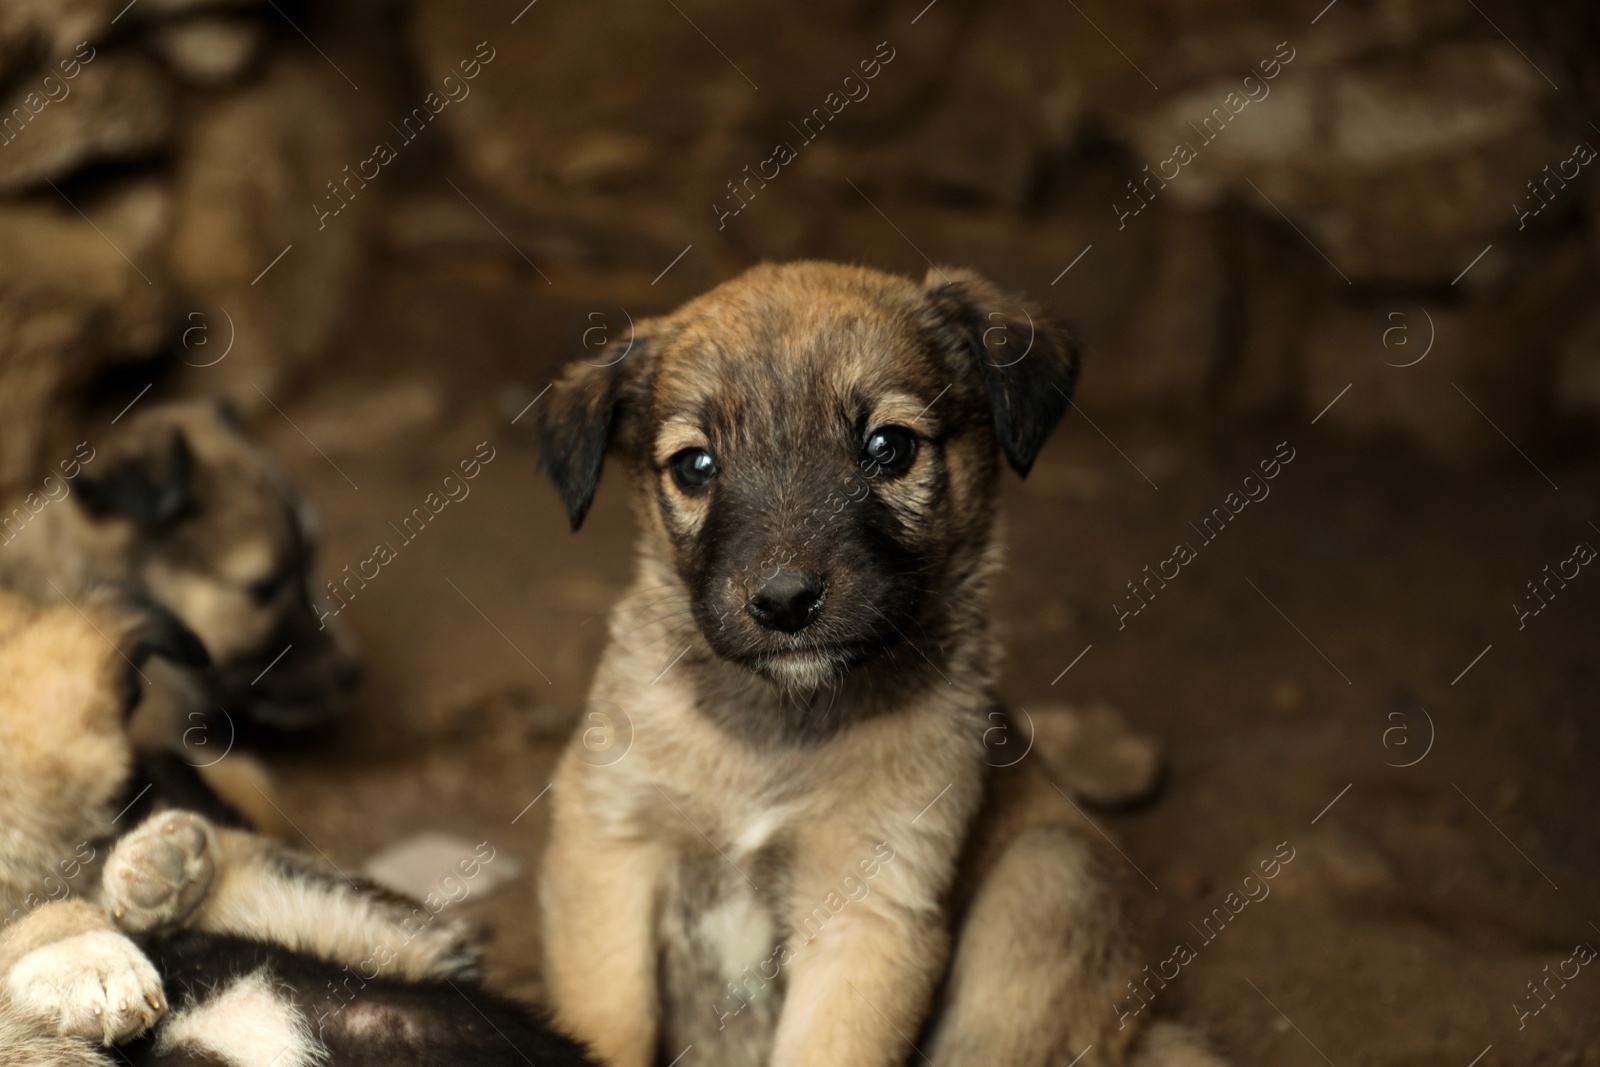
(675, 611)
(664, 586)
(670, 635)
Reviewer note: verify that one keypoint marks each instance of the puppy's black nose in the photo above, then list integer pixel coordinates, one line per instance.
(788, 602)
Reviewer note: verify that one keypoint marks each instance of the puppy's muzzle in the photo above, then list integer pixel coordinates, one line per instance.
(789, 601)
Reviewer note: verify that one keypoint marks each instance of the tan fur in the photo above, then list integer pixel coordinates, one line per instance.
(64, 552)
(29, 1043)
(63, 758)
(52, 922)
(245, 783)
(685, 862)
(66, 756)
(68, 891)
(240, 525)
(264, 888)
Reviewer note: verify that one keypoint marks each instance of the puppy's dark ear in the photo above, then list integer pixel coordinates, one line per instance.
(578, 422)
(151, 486)
(161, 633)
(1029, 363)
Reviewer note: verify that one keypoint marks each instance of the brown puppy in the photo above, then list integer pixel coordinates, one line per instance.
(176, 504)
(804, 857)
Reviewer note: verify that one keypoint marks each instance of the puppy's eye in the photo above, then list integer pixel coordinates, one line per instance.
(267, 589)
(891, 448)
(693, 469)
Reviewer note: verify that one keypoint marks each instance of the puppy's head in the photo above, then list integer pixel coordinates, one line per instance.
(815, 451)
(198, 517)
(70, 675)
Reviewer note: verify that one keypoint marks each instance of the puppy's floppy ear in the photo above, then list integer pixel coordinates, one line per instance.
(1029, 363)
(578, 422)
(150, 486)
(161, 633)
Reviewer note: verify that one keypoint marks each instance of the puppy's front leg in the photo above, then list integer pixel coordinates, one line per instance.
(64, 965)
(177, 870)
(598, 895)
(859, 991)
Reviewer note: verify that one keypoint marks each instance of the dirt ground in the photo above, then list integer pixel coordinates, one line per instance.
(1356, 620)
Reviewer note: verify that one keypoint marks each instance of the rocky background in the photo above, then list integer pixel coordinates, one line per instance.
(1334, 226)
(1356, 263)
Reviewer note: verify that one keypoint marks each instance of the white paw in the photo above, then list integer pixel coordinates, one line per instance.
(158, 873)
(96, 985)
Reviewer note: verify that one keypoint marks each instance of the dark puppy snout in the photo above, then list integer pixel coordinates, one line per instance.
(789, 601)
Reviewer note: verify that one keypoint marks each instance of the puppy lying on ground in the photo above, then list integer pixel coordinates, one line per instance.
(803, 858)
(178, 505)
(252, 942)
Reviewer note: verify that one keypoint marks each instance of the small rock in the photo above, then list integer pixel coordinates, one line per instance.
(444, 865)
(1336, 864)
(211, 51)
(603, 158)
(1096, 753)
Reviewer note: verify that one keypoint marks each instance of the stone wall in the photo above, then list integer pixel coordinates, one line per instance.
(1339, 173)
(154, 158)
(1259, 205)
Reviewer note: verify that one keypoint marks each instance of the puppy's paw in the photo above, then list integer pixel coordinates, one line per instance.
(157, 874)
(96, 985)
(447, 950)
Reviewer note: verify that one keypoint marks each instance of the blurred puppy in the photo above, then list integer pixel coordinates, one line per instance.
(181, 507)
(803, 858)
(66, 686)
(255, 942)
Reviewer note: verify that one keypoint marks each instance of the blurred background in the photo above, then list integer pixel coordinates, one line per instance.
(1366, 229)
